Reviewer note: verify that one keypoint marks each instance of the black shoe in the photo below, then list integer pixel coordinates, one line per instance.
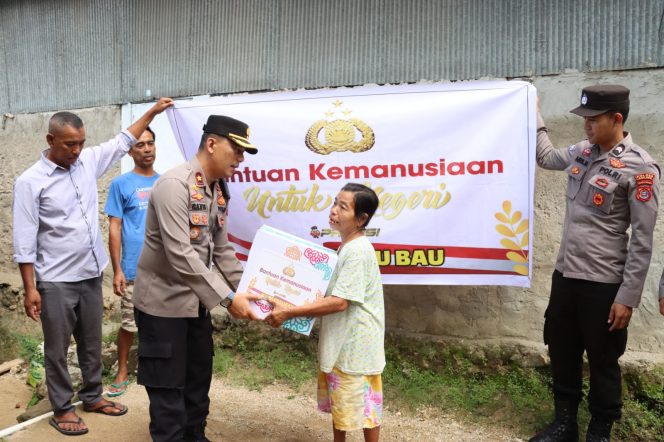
(558, 432)
(563, 428)
(599, 430)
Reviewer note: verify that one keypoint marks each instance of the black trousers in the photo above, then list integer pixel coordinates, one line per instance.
(576, 320)
(175, 366)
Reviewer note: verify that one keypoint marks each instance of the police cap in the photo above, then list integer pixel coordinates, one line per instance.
(234, 130)
(596, 100)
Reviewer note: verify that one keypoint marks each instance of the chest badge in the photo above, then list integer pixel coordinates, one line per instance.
(598, 199)
(576, 170)
(194, 233)
(602, 182)
(616, 163)
(196, 196)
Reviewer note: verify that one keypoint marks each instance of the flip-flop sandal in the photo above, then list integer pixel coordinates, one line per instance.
(110, 404)
(120, 389)
(56, 424)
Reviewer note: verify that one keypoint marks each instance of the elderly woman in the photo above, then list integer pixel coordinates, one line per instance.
(351, 349)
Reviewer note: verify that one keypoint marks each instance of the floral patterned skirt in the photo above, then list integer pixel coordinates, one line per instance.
(355, 401)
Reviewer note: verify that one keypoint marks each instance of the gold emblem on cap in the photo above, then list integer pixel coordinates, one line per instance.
(339, 135)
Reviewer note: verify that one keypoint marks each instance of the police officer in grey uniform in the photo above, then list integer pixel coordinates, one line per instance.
(600, 271)
(175, 287)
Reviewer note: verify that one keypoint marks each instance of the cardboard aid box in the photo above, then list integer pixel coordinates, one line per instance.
(289, 270)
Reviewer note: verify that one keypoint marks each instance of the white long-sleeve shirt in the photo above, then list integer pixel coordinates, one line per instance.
(55, 210)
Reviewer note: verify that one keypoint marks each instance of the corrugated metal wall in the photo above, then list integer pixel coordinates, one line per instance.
(75, 53)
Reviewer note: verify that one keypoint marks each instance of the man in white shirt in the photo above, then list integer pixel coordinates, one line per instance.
(57, 242)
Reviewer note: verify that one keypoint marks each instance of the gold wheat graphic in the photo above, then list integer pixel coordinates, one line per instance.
(515, 232)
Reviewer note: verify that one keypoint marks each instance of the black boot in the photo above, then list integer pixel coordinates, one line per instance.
(563, 428)
(599, 430)
(195, 433)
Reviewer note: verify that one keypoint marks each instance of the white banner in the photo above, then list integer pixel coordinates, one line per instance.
(452, 164)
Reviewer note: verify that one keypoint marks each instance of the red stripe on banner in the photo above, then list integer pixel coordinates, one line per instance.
(236, 240)
(241, 256)
(409, 270)
(450, 251)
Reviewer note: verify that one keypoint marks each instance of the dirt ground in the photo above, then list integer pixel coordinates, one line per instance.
(276, 414)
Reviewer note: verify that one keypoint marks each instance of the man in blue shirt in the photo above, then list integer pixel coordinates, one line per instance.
(126, 208)
(57, 242)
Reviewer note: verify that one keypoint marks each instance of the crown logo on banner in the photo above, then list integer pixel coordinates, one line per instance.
(340, 134)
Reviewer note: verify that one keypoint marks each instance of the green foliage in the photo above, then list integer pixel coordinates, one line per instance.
(223, 360)
(257, 356)
(505, 394)
(112, 337)
(643, 411)
(34, 400)
(29, 349)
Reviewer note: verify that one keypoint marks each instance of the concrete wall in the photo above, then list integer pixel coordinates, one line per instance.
(473, 314)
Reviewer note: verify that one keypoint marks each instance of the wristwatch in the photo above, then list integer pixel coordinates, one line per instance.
(228, 300)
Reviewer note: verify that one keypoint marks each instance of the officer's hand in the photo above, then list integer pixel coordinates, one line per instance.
(278, 316)
(240, 308)
(163, 104)
(119, 283)
(32, 304)
(619, 316)
(661, 306)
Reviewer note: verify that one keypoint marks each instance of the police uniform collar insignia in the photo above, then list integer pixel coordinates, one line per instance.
(199, 179)
(618, 150)
(195, 194)
(587, 152)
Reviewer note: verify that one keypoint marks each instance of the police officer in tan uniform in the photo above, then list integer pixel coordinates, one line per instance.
(599, 275)
(175, 288)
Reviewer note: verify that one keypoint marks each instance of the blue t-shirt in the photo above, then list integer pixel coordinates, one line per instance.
(128, 199)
